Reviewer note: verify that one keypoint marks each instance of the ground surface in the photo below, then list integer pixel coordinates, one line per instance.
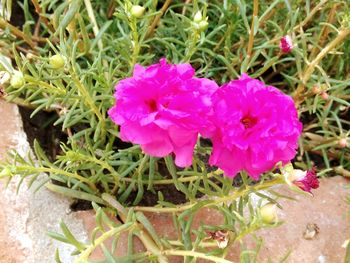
(25, 218)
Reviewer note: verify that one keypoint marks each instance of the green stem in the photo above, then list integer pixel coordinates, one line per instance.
(90, 103)
(105, 236)
(135, 39)
(48, 87)
(195, 254)
(56, 171)
(201, 244)
(216, 201)
(96, 30)
(143, 235)
(192, 46)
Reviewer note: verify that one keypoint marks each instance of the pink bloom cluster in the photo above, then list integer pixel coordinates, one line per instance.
(164, 108)
(257, 126)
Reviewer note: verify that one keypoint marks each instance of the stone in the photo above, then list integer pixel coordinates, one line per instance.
(25, 217)
(315, 226)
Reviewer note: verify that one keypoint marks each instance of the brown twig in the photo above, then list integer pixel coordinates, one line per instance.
(38, 10)
(110, 10)
(155, 22)
(16, 32)
(324, 31)
(185, 7)
(251, 35)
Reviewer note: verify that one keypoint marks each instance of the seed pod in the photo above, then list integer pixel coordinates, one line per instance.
(57, 61)
(342, 142)
(203, 25)
(324, 95)
(268, 213)
(137, 11)
(17, 80)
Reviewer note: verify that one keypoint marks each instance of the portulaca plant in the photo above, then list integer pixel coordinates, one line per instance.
(216, 104)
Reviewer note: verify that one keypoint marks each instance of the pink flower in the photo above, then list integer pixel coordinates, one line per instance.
(163, 108)
(286, 44)
(306, 180)
(257, 126)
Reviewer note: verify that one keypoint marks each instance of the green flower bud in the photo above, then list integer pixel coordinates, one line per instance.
(268, 213)
(203, 25)
(17, 79)
(56, 61)
(198, 17)
(137, 11)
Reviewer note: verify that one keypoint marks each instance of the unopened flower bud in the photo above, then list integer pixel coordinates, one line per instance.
(17, 79)
(316, 89)
(286, 44)
(56, 61)
(342, 142)
(203, 25)
(324, 95)
(268, 213)
(198, 17)
(137, 11)
(30, 56)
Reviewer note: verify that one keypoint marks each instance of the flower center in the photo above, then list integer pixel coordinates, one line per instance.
(152, 105)
(248, 121)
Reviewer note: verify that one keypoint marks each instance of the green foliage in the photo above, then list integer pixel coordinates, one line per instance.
(100, 42)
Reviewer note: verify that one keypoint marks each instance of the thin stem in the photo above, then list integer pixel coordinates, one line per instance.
(216, 201)
(195, 254)
(96, 30)
(90, 102)
(43, 18)
(298, 95)
(28, 168)
(105, 236)
(48, 87)
(155, 22)
(135, 43)
(201, 244)
(192, 46)
(142, 234)
(251, 35)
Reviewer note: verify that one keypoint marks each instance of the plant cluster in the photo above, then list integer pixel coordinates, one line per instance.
(67, 56)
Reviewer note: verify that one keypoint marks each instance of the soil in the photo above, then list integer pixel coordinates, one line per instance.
(41, 128)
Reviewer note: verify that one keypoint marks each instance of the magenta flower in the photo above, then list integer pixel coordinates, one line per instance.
(163, 108)
(257, 127)
(306, 180)
(286, 44)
